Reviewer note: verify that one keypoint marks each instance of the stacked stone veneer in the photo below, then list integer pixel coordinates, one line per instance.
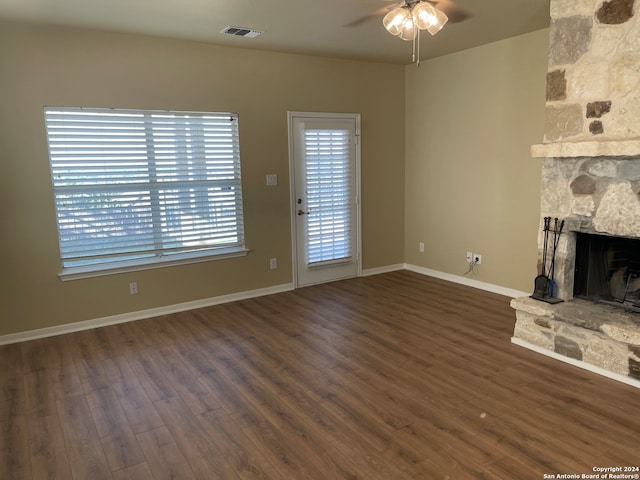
(590, 174)
(593, 83)
(600, 335)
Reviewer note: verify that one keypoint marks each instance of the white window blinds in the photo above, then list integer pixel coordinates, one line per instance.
(328, 187)
(139, 186)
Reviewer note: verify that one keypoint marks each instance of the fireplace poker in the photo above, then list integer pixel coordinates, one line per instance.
(547, 222)
(556, 239)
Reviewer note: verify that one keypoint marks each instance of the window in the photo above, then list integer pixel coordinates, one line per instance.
(328, 187)
(141, 188)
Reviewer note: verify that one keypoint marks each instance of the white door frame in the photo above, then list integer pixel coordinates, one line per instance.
(291, 115)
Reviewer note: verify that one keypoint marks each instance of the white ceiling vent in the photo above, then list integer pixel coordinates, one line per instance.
(241, 32)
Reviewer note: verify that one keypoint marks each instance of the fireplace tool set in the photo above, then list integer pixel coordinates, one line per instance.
(545, 287)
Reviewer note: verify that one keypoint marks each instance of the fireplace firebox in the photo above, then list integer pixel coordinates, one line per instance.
(608, 270)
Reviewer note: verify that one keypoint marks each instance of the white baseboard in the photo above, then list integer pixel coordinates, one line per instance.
(386, 269)
(577, 363)
(139, 315)
(470, 282)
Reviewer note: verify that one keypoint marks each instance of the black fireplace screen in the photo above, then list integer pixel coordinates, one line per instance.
(607, 269)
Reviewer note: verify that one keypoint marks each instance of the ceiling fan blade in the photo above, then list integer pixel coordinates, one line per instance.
(451, 10)
(375, 14)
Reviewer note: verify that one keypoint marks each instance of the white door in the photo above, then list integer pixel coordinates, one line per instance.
(324, 164)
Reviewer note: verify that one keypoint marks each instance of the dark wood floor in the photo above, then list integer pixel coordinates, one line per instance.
(396, 376)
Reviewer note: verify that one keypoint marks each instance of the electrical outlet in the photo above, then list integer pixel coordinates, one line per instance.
(421, 247)
(469, 257)
(273, 263)
(477, 259)
(272, 179)
(133, 288)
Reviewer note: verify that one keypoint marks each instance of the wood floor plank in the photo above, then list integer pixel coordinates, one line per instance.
(357, 447)
(164, 458)
(84, 449)
(40, 395)
(118, 439)
(395, 376)
(185, 428)
(508, 468)
(186, 384)
(40, 354)
(65, 379)
(135, 472)
(14, 448)
(12, 392)
(152, 378)
(88, 363)
(287, 458)
(120, 377)
(204, 458)
(514, 431)
(47, 448)
(236, 447)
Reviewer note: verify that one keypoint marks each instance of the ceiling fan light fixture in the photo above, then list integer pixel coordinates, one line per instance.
(410, 16)
(394, 20)
(408, 30)
(429, 18)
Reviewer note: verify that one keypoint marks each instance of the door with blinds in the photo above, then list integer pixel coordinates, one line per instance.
(324, 163)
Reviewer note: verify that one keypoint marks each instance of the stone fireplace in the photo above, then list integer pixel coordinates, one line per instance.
(591, 179)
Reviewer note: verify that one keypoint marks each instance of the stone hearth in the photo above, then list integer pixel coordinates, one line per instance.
(603, 336)
(590, 177)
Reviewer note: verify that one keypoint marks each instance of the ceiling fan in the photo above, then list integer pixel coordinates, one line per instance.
(405, 19)
(448, 7)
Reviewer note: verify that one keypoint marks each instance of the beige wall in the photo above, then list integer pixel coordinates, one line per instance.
(460, 171)
(71, 67)
(470, 182)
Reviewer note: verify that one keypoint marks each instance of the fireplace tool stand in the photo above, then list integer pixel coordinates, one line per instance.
(544, 285)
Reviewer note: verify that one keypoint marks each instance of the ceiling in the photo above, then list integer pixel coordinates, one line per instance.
(316, 27)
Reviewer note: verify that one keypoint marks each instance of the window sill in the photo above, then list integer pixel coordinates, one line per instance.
(78, 273)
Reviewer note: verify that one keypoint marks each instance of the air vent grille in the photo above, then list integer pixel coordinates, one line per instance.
(241, 32)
